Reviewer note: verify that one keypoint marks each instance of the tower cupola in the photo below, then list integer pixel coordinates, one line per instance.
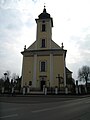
(45, 15)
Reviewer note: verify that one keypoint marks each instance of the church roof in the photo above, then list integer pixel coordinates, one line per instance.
(68, 71)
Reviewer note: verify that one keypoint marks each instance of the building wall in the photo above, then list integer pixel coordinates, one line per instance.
(58, 68)
(27, 72)
(28, 69)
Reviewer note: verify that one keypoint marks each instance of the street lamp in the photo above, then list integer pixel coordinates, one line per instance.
(5, 74)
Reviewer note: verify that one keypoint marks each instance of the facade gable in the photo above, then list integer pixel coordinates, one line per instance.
(32, 46)
(53, 46)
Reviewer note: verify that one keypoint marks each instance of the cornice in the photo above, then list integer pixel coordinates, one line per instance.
(55, 52)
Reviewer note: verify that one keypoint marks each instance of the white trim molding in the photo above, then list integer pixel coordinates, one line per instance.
(34, 71)
(51, 69)
(64, 71)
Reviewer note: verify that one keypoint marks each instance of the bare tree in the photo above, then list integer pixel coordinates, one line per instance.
(8, 73)
(14, 76)
(84, 74)
(1, 82)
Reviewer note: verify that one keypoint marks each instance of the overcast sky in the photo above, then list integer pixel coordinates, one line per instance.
(18, 28)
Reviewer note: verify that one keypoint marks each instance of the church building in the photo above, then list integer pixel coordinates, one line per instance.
(44, 61)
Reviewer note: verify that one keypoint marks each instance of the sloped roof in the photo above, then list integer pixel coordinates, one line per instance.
(44, 14)
(53, 46)
(32, 46)
(67, 70)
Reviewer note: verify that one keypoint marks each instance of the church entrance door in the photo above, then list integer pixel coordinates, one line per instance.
(42, 84)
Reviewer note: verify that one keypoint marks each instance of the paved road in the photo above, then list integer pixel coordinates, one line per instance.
(44, 108)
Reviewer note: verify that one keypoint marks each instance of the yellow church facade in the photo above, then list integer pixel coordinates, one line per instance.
(44, 61)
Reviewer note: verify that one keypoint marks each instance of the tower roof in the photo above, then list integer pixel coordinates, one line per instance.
(45, 15)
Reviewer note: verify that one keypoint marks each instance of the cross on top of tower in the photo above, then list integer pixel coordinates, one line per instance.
(44, 6)
(44, 10)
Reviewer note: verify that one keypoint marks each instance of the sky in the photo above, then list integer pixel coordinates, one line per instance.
(71, 20)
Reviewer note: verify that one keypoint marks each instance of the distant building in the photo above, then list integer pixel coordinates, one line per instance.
(70, 83)
(44, 60)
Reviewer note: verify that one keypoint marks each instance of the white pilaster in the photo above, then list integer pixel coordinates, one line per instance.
(64, 71)
(34, 71)
(51, 69)
(50, 44)
(23, 90)
(45, 91)
(56, 90)
(22, 81)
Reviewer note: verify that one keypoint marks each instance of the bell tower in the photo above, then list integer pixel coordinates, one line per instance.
(44, 30)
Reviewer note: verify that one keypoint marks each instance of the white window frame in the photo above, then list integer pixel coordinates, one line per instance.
(45, 66)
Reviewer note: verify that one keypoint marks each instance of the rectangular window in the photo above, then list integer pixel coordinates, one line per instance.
(43, 66)
(43, 28)
(43, 43)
